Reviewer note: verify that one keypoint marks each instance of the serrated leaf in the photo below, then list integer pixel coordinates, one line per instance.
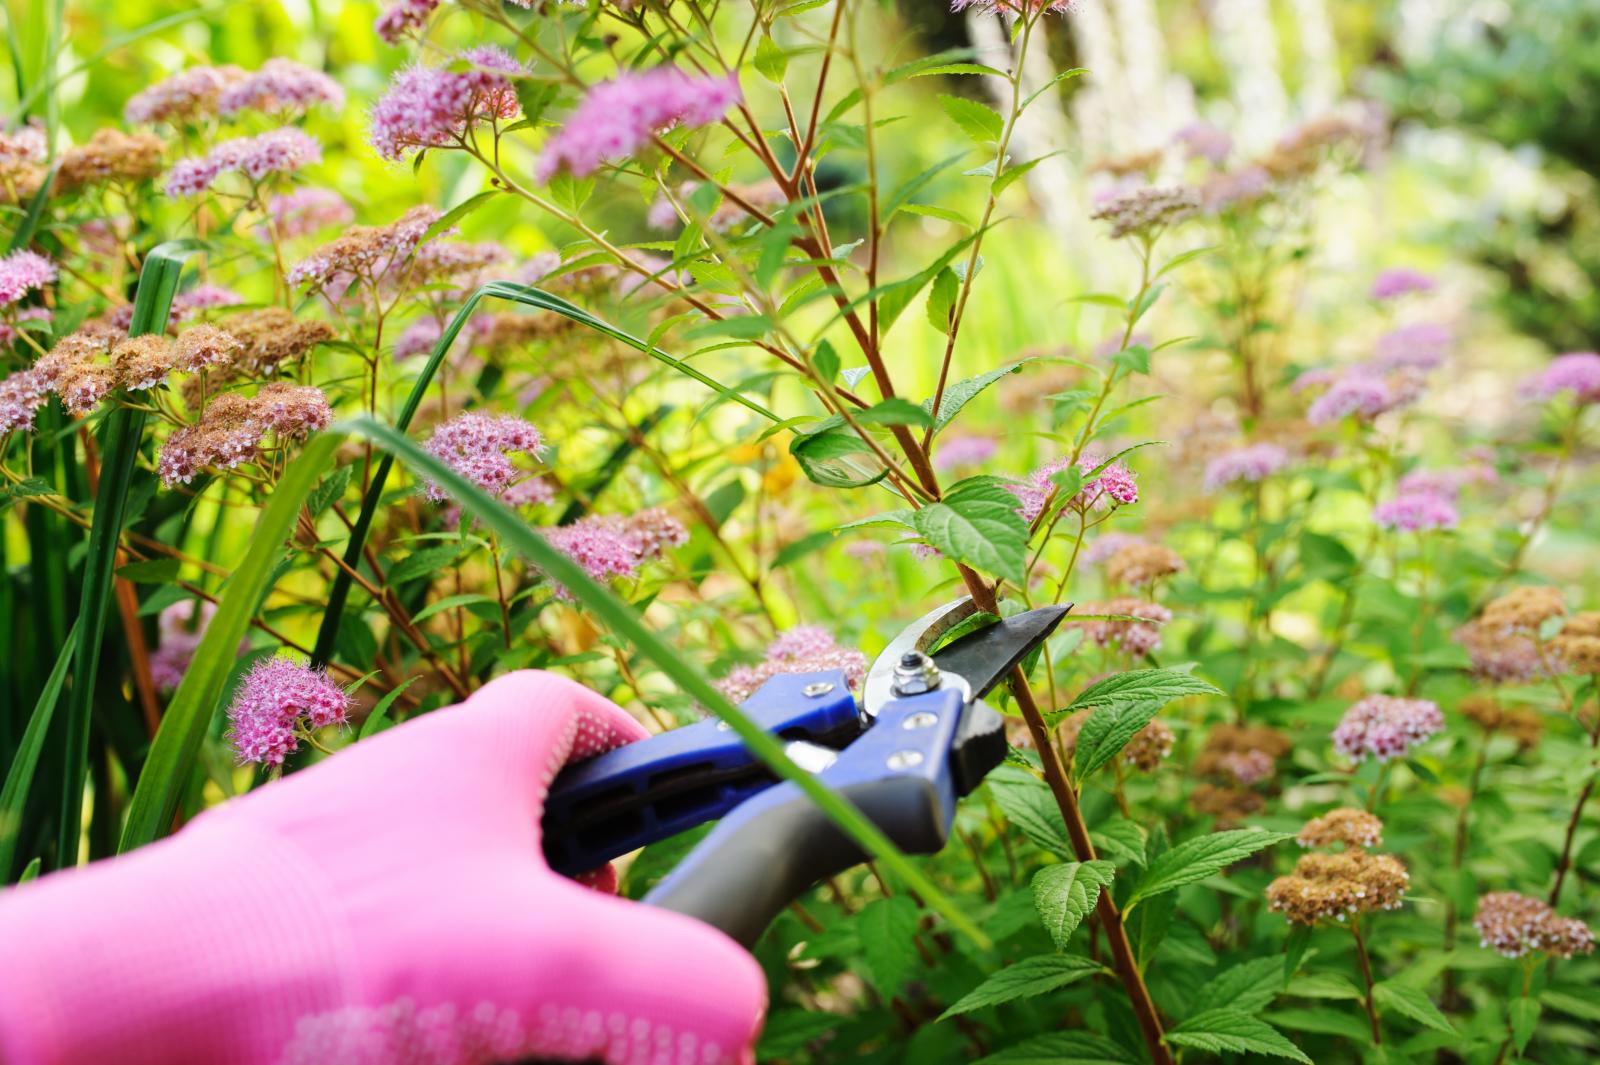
(893, 411)
(1062, 1048)
(1027, 803)
(1137, 686)
(977, 523)
(1410, 1002)
(1247, 987)
(1012, 173)
(455, 214)
(1108, 730)
(962, 392)
(892, 518)
(1025, 979)
(1194, 860)
(979, 121)
(837, 458)
(422, 563)
(888, 929)
(1229, 1031)
(329, 491)
(825, 360)
(449, 602)
(1064, 894)
(771, 61)
(958, 68)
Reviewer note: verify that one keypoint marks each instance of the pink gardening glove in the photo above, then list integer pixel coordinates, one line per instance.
(388, 905)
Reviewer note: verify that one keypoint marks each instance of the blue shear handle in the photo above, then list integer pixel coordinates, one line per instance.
(770, 850)
(659, 787)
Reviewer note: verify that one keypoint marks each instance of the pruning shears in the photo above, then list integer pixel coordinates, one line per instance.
(919, 739)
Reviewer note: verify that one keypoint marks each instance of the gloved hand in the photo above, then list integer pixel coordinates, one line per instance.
(388, 905)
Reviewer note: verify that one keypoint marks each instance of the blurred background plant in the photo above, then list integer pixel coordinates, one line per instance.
(1257, 329)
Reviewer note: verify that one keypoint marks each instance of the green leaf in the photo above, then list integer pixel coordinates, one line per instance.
(1195, 859)
(771, 61)
(1524, 1016)
(120, 436)
(1247, 987)
(942, 300)
(1052, 83)
(837, 458)
(425, 563)
(958, 68)
(1025, 979)
(156, 571)
(168, 767)
(976, 523)
(377, 721)
(1229, 1031)
(825, 360)
(31, 870)
(1012, 173)
(1108, 730)
(1027, 803)
(1137, 686)
(888, 930)
(628, 626)
(893, 411)
(1410, 1002)
(330, 491)
(1064, 894)
(450, 602)
(1185, 257)
(1062, 1048)
(894, 297)
(19, 778)
(979, 121)
(962, 392)
(456, 214)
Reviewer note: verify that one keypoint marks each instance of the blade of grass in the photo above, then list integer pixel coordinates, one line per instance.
(119, 447)
(183, 727)
(626, 623)
(527, 296)
(19, 778)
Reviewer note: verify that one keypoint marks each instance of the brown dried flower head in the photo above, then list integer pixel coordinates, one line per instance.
(1242, 754)
(1332, 887)
(142, 361)
(1514, 925)
(1229, 805)
(1578, 644)
(1520, 723)
(1524, 609)
(1138, 564)
(110, 156)
(1347, 825)
(1499, 656)
(1127, 165)
(205, 346)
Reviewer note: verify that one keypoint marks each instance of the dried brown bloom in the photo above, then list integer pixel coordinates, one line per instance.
(1578, 653)
(205, 346)
(1243, 754)
(1331, 887)
(292, 410)
(1499, 656)
(142, 361)
(1347, 825)
(1136, 565)
(1127, 165)
(1524, 609)
(83, 385)
(266, 339)
(1146, 751)
(1229, 805)
(1520, 723)
(110, 155)
(1583, 623)
(1514, 925)
(1146, 211)
(364, 251)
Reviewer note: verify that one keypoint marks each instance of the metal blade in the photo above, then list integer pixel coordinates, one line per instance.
(986, 656)
(920, 635)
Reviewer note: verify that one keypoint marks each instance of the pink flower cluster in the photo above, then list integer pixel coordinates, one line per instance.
(968, 450)
(1577, 372)
(400, 18)
(1108, 544)
(184, 97)
(1513, 925)
(618, 117)
(430, 107)
(21, 395)
(1014, 7)
(1113, 486)
(280, 151)
(188, 304)
(1385, 727)
(281, 86)
(1400, 281)
(276, 697)
(307, 210)
(1135, 628)
(180, 629)
(1358, 393)
(608, 545)
(1253, 463)
(802, 649)
(1416, 511)
(23, 272)
(1419, 346)
(233, 425)
(1447, 483)
(479, 447)
(1202, 140)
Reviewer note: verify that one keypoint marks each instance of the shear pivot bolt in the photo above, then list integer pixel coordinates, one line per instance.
(817, 689)
(904, 760)
(915, 674)
(920, 719)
